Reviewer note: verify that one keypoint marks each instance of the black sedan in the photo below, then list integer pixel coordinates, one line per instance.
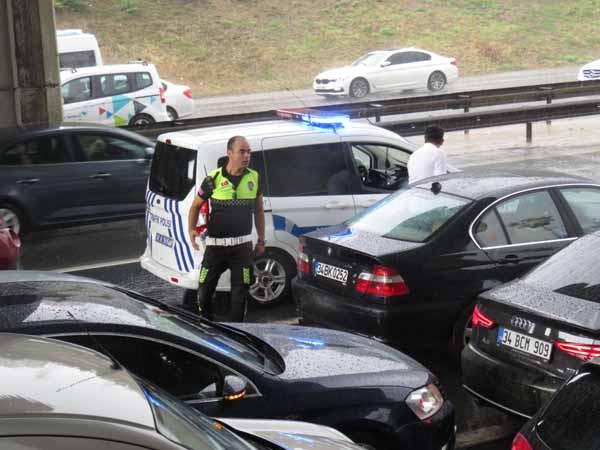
(371, 392)
(571, 420)
(59, 175)
(408, 269)
(533, 333)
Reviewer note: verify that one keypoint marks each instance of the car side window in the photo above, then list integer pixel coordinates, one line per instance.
(320, 169)
(143, 80)
(398, 58)
(418, 56)
(585, 204)
(179, 372)
(531, 217)
(44, 150)
(488, 231)
(97, 147)
(114, 84)
(380, 166)
(77, 90)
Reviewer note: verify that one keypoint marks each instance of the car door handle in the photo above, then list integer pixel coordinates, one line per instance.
(510, 259)
(338, 205)
(101, 175)
(28, 181)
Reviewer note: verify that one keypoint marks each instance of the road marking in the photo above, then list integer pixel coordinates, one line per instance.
(482, 435)
(97, 266)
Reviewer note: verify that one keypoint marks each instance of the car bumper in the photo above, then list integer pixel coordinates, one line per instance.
(336, 88)
(515, 389)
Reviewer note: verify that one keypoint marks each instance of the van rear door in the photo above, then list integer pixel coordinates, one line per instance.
(171, 190)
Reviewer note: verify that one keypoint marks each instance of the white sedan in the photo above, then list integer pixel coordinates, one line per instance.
(179, 99)
(407, 68)
(591, 71)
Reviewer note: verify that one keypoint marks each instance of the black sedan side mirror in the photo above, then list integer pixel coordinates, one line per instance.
(234, 388)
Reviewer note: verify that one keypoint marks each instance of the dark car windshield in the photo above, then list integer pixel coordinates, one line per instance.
(409, 215)
(189, 428)
(572, 421)
(173, 171)
(25, 304)
(572, 271)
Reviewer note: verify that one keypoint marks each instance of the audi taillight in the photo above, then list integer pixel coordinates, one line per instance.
(161, 92)
(481, 320)
(520, 443)
(202, 223)
(381, 281)
(188, 93)
(303, 261)
(584, 352)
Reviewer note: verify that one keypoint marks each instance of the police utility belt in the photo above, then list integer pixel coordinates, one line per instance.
(227, 241)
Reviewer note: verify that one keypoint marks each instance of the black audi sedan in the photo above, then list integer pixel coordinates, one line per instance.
(571, 419)
(532, 334)
(408, 270)
(371, 392)
(63, 174)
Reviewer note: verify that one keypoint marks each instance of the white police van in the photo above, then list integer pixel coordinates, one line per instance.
(117, 95)
(315, 171)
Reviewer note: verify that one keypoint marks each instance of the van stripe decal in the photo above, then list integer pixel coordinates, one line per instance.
(183, 236)
(176, 246)
(172, 203)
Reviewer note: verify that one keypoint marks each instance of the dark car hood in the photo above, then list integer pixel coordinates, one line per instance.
(547, 303)
(362, 241)
(311, 353)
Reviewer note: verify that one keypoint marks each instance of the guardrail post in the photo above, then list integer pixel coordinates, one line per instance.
(528, 132)
(466, 110)
(548, 101)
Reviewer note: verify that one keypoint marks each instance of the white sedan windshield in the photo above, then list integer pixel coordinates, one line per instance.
(370, 59)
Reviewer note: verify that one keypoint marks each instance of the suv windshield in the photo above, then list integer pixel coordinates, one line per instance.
(572, 271)
(409, 215)
(189, 428)
(173, 171)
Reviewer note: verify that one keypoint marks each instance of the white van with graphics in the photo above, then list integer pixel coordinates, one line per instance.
(77, 49)
(123, 94)
(315, 171)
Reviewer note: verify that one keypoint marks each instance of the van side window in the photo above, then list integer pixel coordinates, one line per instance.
(320, 169)
(77, 59)
(77, 90)
(143, 80)
(114, 84)
(381, 167)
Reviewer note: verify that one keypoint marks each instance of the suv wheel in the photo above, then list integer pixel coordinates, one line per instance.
(273, 273)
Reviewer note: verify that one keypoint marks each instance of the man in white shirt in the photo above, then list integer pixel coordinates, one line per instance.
(429, 160)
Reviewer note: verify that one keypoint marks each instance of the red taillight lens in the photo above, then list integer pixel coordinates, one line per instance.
(382, 281)
(188, 93)
(203, 217)
(162, 95)
(453, 62)
(520, 443)
(584, 352)
(303, 261)
(481, 320)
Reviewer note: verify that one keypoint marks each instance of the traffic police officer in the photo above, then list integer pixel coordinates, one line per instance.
(234, 194)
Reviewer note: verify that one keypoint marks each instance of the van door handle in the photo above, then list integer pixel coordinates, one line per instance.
(337, 205)
(28, 181)
(510, 259)
(101, 175)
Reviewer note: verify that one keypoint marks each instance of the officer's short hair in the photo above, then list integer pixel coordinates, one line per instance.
(232, 140)
(434, 134)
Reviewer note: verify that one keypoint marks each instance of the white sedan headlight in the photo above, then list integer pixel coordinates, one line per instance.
(425, 402)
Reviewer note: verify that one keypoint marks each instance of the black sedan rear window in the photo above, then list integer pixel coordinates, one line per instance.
(572, 420)
(572, 271)
(409, 215)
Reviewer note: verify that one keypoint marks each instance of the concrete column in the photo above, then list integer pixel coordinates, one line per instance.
(29, 77)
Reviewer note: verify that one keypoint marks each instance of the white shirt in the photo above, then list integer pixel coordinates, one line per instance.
(427, 161)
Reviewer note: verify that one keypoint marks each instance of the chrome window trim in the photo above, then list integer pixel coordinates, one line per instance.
(538, 188)
(170, 344)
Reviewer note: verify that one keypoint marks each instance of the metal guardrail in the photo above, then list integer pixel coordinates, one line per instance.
(462, 100)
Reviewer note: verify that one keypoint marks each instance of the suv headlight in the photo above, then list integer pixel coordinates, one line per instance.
(426, 401)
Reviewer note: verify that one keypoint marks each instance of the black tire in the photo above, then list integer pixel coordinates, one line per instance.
(436, 81)
(142, 119)
(359, 88)
(172, 113)
(273, 278)
(461, 333)
(14, 217)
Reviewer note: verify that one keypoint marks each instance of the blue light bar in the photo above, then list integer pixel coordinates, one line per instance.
(314, 117)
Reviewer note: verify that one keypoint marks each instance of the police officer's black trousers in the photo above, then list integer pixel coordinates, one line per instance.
(217, 259)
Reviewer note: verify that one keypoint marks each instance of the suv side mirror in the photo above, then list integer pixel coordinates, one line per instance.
(234, 388)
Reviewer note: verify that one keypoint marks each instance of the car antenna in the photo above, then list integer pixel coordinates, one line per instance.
(116, 365)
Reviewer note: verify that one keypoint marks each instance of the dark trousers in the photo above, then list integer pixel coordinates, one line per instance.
(239, 260)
